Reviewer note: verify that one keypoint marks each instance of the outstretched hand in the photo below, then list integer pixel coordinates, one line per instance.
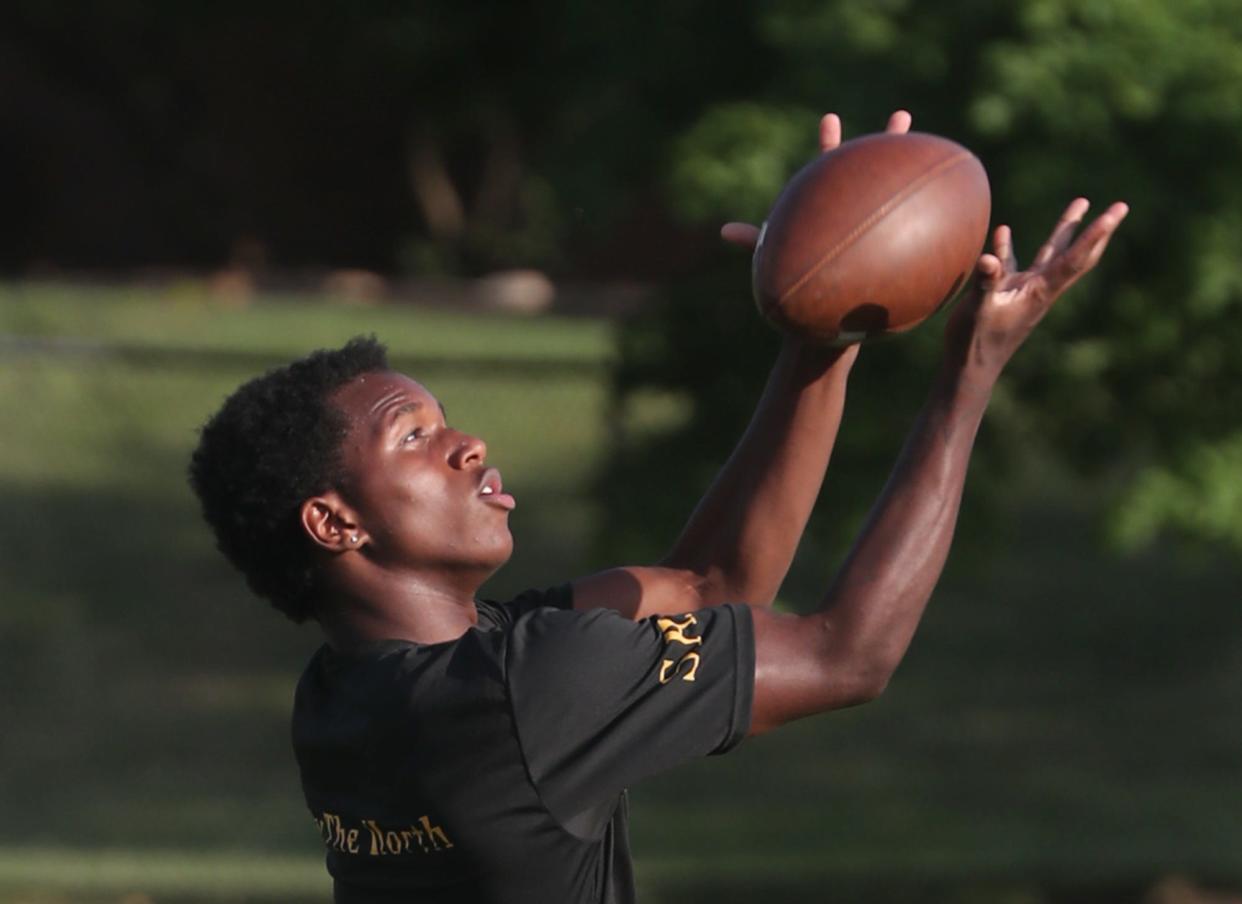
(746, 235)
(1004, 304)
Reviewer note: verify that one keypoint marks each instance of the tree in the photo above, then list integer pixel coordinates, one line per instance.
(467, 137)
(1135, 378)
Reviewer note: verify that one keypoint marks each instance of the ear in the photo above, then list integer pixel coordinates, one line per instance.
(331, 524)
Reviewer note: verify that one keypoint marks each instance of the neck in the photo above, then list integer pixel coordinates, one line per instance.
(410, 608)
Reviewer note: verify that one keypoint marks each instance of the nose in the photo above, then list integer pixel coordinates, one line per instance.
(467, 450)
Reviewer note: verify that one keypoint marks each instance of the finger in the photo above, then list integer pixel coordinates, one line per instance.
(829, 132)
(1002, 247)
(744, 235)
(989, 271)
(1087, 249)
(1061, 234)
(899, 122)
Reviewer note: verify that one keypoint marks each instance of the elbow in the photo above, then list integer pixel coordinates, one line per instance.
(866, 685)
(861, 663)
(862, 675)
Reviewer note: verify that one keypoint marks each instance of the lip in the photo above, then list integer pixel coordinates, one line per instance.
(490, 491)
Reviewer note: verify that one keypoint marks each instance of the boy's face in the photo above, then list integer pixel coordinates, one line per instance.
(424, 498)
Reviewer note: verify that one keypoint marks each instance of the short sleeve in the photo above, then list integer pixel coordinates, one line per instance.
(503, 615)
(601, 702)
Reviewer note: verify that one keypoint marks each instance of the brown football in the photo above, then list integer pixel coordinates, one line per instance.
(872, 238)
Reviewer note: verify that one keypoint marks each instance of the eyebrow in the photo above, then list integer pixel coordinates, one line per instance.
(389, 420)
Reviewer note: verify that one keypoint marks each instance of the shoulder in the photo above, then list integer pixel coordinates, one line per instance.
(504, 615)
(601, 645)
(385, 673)
(600, 701)
(548, 627)
(377, 664)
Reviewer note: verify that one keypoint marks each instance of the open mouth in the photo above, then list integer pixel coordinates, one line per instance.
(491, 491)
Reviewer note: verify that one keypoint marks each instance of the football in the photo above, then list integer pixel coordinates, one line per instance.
(872, 238)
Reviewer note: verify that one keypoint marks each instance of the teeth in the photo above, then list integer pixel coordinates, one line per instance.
(486, 491)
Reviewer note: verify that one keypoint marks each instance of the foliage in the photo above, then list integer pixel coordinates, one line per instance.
(1136, 374)
(606, 142)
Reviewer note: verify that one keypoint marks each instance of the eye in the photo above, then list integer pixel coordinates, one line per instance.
(416, 434)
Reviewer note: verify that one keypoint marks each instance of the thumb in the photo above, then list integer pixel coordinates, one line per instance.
(744, 235)
(989, 271)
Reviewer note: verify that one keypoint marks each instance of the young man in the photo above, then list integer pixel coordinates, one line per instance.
(453, 749)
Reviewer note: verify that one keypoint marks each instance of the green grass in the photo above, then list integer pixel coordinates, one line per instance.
(1064, 716)
(46, 874)
(186, 316)
(134, 660)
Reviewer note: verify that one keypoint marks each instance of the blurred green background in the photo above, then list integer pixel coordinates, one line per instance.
(195, 192)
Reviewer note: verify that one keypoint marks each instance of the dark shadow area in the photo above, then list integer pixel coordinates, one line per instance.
(868, 319)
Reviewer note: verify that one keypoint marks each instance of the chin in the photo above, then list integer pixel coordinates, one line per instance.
(503, 555)
(498, 557)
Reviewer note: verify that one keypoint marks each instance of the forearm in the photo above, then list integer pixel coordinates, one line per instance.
(742, 536)
(877, 599)
(846, 652)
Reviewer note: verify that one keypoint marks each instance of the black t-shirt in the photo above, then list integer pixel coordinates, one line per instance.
(493, 768)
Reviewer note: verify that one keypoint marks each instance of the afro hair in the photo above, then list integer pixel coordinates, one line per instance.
(273, 444)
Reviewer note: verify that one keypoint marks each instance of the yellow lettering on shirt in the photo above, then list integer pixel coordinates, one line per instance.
(383, 841)
(675, 630)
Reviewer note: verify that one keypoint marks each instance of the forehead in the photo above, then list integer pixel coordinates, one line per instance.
(370, 396)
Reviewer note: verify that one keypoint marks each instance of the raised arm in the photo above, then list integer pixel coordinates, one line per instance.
(846, 652)
(741, 538)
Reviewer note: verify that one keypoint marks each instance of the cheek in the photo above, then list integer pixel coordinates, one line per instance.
(421, 501)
